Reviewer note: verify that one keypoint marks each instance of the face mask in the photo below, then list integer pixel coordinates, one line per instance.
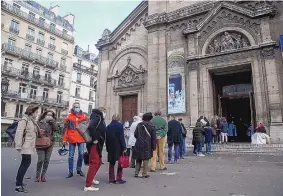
(48, 117)
(104, 114)
(77, 110)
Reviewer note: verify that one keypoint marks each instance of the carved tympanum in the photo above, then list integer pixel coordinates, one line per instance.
(226, 41)
(128, 76)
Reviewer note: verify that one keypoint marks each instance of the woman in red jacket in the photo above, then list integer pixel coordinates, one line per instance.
(73, 137)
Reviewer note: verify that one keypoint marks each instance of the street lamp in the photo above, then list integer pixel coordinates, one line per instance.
(4, 85)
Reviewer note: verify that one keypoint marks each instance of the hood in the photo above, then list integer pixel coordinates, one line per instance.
(198, 124)
(96, 112)
(137, 118)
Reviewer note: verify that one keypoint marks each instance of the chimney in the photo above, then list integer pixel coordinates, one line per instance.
(54, 9)
(88, 48)
(70, 18)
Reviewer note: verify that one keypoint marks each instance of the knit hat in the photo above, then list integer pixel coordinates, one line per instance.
(31, 109)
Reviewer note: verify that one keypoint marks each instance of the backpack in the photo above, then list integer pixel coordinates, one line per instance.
(11, 130)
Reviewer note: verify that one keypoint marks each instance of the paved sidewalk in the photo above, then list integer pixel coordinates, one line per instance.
(214, 175)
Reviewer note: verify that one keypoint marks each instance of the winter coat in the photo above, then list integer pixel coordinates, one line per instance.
(145, 142)
(49, 128)
(208, 134)
(224, 127)
(214, 126)
(26, 134)
(198, 133)
(132, 139)
(174, 132)
(71, 134)
(160, 126)
(115, 141)
(184, 130)
(97, 129)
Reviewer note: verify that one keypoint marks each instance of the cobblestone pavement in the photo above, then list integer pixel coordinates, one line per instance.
(213, 175)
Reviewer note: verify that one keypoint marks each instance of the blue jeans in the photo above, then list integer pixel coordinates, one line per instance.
(199, 146)
(183, 146)
(208, 147)
(72, 149)
(176, 152)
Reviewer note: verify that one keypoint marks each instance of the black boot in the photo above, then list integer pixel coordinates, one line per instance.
(70, 175)
(80, 173)
(20, 189)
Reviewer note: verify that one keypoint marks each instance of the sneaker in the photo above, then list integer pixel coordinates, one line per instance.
(20, 189)
(146, 176)
(43, 179)
(201, 155)
(136, 176)
(176, 162)
(165, 168)
(121, 182)
(91, 188)
(70, 175)
(170, 162)
(80, 173)
(37, 179)
(95, 182)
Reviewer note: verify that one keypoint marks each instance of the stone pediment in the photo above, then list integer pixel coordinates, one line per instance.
(263, 9)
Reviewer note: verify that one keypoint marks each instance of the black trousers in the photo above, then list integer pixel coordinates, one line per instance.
(26, 161)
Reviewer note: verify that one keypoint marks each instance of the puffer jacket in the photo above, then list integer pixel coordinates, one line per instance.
(198, 133)
(71, 122)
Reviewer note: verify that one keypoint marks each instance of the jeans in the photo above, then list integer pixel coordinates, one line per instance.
(183, 146)
(43, 160)
(112, 173)
(199, 147)
(25, 163)
(176, 152)
(94, 164)
(72, 149)
(208, 147)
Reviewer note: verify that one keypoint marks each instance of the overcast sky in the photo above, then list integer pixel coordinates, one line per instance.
(92, 17)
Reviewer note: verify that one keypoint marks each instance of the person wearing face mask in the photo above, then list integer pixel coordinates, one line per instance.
(73, 137)
(26, 133)
(46, 122)
(97, 130)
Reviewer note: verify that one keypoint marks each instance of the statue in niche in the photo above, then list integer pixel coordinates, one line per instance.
(211, 49)
(228, 42)
(238, 41)
(217, 46)
(245, 43)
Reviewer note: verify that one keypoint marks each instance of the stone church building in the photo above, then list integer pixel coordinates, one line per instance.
(190, 59)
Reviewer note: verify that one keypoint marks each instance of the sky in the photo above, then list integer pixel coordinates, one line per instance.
(92, 17)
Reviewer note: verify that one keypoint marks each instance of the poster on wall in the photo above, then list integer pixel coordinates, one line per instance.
(281, 45)
(176, 84)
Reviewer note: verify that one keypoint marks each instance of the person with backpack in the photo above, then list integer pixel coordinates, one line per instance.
(47, 124)
(97, 131)
(26, 133)
(74, 138)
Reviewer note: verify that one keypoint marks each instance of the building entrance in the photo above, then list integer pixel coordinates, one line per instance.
(234, 100)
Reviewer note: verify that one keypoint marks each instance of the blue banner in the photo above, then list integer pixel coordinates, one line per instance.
(281, 44)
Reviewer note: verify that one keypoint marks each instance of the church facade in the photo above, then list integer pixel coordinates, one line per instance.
(190, 59)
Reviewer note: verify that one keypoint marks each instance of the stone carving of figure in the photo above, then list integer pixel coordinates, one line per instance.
(245, 42)
(217, 46)
(211, 49)
(117, 72)
(228, 42)
(239, 41)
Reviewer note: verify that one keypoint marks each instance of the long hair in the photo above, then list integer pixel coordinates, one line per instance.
(42, 116)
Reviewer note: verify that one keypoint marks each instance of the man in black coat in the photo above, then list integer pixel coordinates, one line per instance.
(174, 138)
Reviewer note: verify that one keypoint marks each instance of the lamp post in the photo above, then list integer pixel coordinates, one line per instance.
(4, 88)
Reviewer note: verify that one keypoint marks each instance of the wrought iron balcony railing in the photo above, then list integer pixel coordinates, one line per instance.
(35, 99)
(29, 55)
(30, 37)
(51, 46)
(25, 16)
(84, 69)
(3, 114)
(11, 71)
(14, 30)
(64, 52)
(40, 42)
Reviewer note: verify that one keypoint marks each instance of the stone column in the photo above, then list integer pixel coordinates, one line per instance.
(192, 88)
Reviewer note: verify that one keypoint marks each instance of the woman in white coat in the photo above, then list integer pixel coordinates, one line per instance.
(132, 139)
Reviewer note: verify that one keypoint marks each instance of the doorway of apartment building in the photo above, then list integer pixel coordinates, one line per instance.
(129, 107)
(233, 98)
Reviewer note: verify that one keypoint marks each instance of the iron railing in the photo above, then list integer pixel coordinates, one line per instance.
(14, 30)
(3, 114)
(18, 115)
(11, 71)
(40, 42)
(13, 10)
(51, 46)
(30, 37)
(29, 55)
(35, 99)
(84, 69)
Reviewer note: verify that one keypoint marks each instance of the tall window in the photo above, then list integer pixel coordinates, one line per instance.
(8, 62)
(19, 111)
(91, 81)
(79, 77)
(43, 110)
(78, 91)
(41, 36)
(22, 88)
(45, 94)
(41, 20)
(16, 6)
(39, 51)
(33, 91)
(31, 16)
(14, 25)
(59, 97)
(89, 108)
(91, 95)
(25, 68)
(65, 46)
(79, 61)
(47, 75)
(36, 71)
(31, 31)
(28, 47)
(50, 56)
(52, 40)
(52, 27)
(58, 114)
(63, 61)
(65, 31)
(3, 107)
(61, 80)
(11, 43)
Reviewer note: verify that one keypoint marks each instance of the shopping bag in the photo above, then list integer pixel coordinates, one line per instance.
(124, 161)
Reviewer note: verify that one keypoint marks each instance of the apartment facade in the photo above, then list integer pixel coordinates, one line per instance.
(37, 50)
(84, 79)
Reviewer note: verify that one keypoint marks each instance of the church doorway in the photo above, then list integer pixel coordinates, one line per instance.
(129, 107)
(233, 99)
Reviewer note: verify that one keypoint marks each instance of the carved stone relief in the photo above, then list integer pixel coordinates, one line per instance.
(268, 52)
(226, 41)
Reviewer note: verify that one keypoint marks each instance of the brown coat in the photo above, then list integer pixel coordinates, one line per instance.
(26, 143)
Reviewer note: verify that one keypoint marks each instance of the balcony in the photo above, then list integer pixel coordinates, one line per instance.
(29, 56)
(19, 115)
(40, 42)
(25, 16)
(84, 69)
(62, 67)
(79, 81)
(14, 30)
(35, 99)
(3, 114)
(64, 52)
(51, 46)
(25, 75)
(30, 37)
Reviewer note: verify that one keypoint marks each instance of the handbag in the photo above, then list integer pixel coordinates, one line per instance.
(124, 161)
(82, 129)
(42, 141)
